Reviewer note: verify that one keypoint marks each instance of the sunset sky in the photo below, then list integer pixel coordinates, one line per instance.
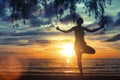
(38, 38)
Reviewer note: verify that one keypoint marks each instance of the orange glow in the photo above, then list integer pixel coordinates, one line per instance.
(10, 68)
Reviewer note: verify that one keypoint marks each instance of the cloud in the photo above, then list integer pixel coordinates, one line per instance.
(117, 22)
(42, 41)
(2, 13)
(27, 33)
(5, 33)
(50, 10)
(116, 46)
(23, 41)
(114, 38)
(39, 22)
(67, 18)
(14, 41)
(34, 33)
(118, 14)
(100, 33)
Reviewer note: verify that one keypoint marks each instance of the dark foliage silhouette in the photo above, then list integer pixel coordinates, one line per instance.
(23, 9)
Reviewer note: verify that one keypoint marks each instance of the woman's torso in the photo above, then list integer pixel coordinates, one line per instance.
(79, 35)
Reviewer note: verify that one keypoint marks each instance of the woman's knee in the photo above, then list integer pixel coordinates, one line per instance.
(92, 51)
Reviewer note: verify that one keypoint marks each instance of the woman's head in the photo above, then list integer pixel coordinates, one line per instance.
(79, 21)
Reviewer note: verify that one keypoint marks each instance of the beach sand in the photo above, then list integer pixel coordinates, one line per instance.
(65, 77)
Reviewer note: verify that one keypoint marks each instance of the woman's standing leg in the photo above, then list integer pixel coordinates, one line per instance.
(79, 59)
(80, 62)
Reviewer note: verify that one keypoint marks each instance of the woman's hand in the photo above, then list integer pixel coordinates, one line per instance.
(57, 28)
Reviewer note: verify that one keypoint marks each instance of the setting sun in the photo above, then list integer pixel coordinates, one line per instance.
(68, 50)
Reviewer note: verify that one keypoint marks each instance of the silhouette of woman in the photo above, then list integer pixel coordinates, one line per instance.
(80, 44)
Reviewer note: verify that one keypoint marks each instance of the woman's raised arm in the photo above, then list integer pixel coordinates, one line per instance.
(65, 31)
(94, 30)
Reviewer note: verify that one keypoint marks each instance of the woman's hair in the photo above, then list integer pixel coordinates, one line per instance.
(79, 21)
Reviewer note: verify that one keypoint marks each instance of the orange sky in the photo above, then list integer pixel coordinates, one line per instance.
(53, 50)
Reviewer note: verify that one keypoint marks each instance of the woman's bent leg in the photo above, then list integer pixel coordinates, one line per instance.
(88, 49)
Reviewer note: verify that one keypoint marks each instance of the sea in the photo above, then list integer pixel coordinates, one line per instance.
(58, 66)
